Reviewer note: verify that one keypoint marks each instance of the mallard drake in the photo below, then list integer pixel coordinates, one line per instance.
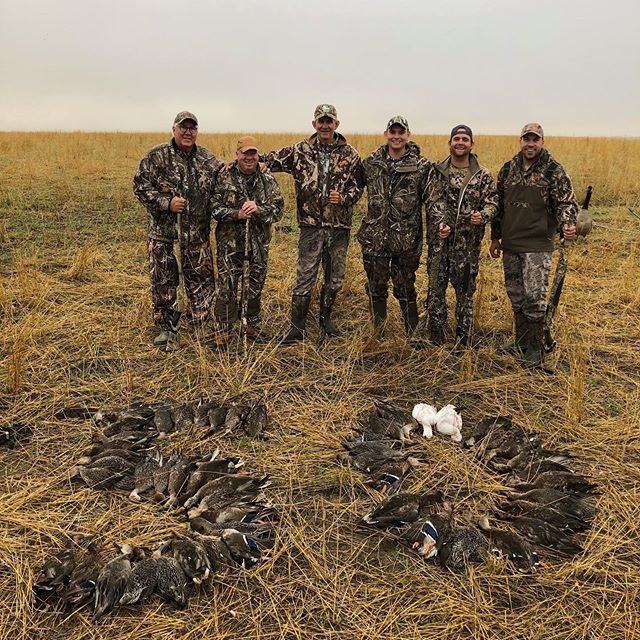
(512, 546)
(389, 476)
(111, 581)
(427, 535)
(402, 508)
(220, 558)
(462, 546)
(141, 582)
(557, 518)
(560, 480)
(543, 533)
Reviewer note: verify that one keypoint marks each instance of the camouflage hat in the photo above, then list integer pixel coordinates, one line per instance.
(325, 111)
(532, 127)
(247, 142)
(399, 120)
(185, 115)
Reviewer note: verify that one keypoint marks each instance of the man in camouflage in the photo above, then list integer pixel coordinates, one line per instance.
(535, 201)
(244, 198)
(470, 200)
(177, 177)
(328, 179)
(397, 179)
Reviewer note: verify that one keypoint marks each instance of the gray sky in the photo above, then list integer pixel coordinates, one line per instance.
(263, 65)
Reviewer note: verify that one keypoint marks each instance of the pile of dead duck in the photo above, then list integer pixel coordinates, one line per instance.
(546, 505)
(230, 523)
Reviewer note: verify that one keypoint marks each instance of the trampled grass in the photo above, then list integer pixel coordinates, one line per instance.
(76, 330)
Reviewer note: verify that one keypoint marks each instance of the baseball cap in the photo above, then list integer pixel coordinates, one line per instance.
(185, 115)
(325, 111)
(461, 128)
(247, 142)
(400, 121)
(532, 127)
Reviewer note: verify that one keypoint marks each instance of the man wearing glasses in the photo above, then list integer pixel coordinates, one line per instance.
(175, 180)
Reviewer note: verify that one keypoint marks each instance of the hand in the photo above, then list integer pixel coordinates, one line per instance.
(249, 207)
(444, 230)
(569, 231)
(263, 167)
(177, 205)
(224, 169)
(495, 248)
(476, 217)
(335, 197)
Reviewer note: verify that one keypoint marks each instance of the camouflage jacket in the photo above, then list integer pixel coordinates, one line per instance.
(546, 180)
(166, 172)
(345, 175)
(397, 191)
(230, 193)
(477, 193)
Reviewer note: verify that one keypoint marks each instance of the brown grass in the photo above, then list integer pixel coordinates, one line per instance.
(67, 208)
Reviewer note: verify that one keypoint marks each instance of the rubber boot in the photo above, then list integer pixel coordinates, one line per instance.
(533, 355)
(409, 309)
(299, 311)
(161, 339)
(330, 328)
(379, 313)
(519, 345)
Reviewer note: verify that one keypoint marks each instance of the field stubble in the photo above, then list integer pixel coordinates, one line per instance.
(75, 329)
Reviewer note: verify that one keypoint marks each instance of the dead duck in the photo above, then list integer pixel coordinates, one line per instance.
(56, 571)
(112, 581)
(263, 531)
(217, 417)
(461, 547)
(257, 419)
(485, 426)
(131, 455)
(242, 512)
(220, 558)
(555, 517)
(427, 535)
(207, 470)
(236, 415)
(368, 456)
(561, 481)
(163, 421)
(110, 472)
(192, 557)
(544, 534)
(201, 413)
(538, 467)
(580, 506)
(144, 474)
(228, 486)
(402, 508)
(178, 477)
(14, 433)
(244, 549)
(511, 546)
(141, 582)
(171, 581)
(80, 589)
(389, 476)
(182, 417)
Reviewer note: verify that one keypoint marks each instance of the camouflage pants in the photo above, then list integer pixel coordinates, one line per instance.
(310, 253)
(400, 268)
(526, 278)
(460, 267)
(230, 270)
(197, 270)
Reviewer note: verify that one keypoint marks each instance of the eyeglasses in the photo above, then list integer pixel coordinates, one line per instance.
(187, 129)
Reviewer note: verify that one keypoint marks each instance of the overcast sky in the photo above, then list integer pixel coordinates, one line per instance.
(263, 65)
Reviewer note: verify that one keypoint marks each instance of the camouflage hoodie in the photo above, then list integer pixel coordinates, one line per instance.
(229, 195)
(551, 182)
(477, 193)
(345, 175)
(166, 172)
(397, 190)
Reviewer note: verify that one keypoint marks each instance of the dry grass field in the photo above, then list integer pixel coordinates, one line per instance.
(75, 329)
